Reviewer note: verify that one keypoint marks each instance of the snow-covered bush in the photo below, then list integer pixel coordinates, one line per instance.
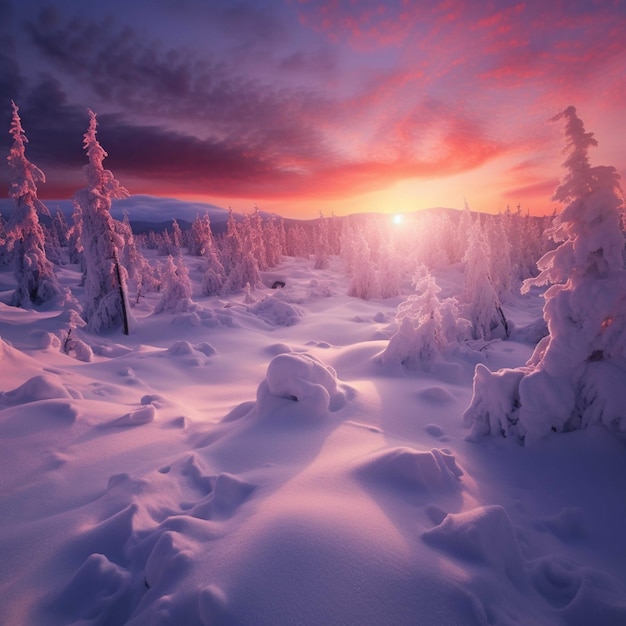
(176, 288)
(428, 326)
(301, 378)
(569, 381)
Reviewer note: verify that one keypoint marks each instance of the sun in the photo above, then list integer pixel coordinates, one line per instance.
(397, 219)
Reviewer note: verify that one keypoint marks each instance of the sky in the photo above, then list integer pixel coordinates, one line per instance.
(309, 106)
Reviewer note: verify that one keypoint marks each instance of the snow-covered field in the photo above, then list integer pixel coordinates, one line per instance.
(252, 462)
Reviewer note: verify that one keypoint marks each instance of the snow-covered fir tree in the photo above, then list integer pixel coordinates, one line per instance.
(576, 375)
(175, 287)
(214, 276)
(428, 326)
(244, 272)
(129, 254)
(147, 279)
(500, 269)
(482, 305)
(105, 278)
(74, 237)
(322, 244)
(389, 273)
(273, 239)
(34, 273)
(199, 236)
(364, 281)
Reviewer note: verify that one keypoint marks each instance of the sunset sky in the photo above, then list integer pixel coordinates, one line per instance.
(302, 106)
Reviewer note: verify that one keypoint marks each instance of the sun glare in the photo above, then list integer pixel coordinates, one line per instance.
(397, 219)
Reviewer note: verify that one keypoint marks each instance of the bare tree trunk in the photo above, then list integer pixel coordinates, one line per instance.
(123, 299)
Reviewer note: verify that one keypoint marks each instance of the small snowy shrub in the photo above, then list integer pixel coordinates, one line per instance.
(428, 326)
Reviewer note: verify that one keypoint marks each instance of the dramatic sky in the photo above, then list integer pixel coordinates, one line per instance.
(303, 106)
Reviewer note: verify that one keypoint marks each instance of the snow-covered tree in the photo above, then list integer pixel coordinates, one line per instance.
(482, 305)
(576, 374)
(146, 279)
(200, 237)
(34, 273)
(129, 254)
(389, 271)
(500, 269)
(175, 287)
(322, 244)
(296, 241)
(60, 228)
(214, 275)
(232, 248)
(74, 237)
(245, 272)
(177, 237)
(428, 326)
(364, 282)
(105, 278)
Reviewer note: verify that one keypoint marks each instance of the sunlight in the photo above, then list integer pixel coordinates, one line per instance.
(397, 219)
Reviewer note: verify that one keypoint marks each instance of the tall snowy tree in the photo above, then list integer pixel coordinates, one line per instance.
(34, 273)
(576, 374)
(105, 279)
(483, 306)
(364, 281)
(500, 269)
(200, 237)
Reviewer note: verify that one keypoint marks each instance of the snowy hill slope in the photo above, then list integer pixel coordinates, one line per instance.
(252, 462)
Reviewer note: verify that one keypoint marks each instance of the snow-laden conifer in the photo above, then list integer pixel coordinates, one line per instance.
(175, 287)
(576, 374)
(34, 273)
(105, 278)
(482, 305)
(428, 326)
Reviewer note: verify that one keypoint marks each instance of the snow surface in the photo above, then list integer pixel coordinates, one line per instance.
(253, 462)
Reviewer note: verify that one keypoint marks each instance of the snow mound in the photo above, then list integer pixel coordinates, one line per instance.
(278, 348)
(15, 364)
(433, 470)
(569, 525)
(42, 415)
(97, 594)
(302, 378)
(483, 535)
(144, 415)
(486, 542)
(228, 493)
(111, 350)
(582, 595)
(436, 395)
(275, 310)
(193, 355)
(181, 348)
(490, 410)
(40, 387)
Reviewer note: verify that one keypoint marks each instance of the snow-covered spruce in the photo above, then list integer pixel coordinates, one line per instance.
(428, 327)
(576, 375)
(34, 273)
(105, 278)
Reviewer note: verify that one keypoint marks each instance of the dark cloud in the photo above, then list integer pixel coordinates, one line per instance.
(149, 80)
(235, 19)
